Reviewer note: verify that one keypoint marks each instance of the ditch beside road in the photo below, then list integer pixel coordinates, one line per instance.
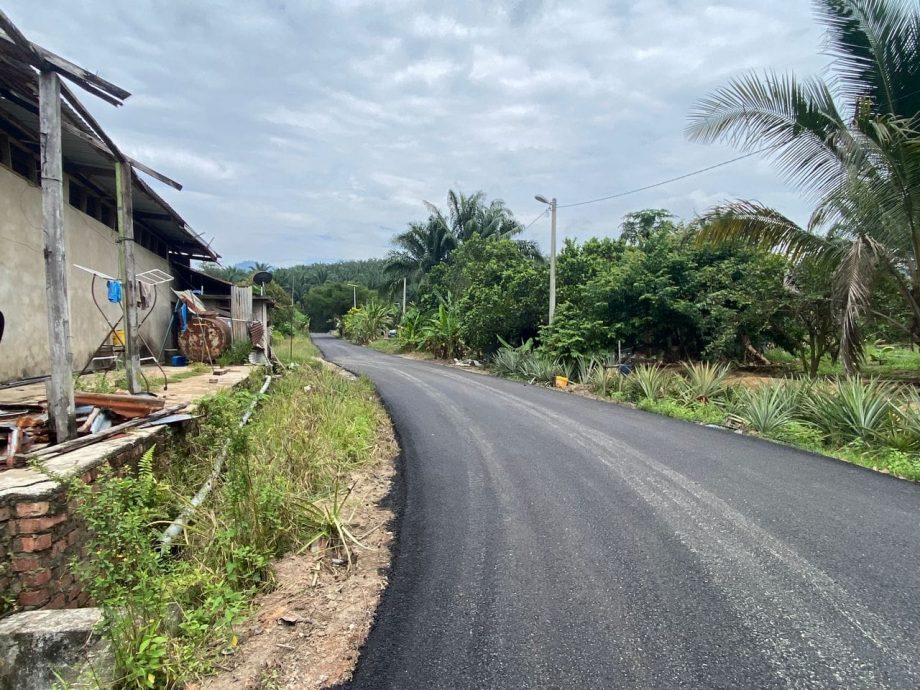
(549, 540)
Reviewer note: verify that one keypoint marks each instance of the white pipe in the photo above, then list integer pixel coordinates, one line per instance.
(178, 525)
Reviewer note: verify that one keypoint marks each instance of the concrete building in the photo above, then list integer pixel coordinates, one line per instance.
(163, 240)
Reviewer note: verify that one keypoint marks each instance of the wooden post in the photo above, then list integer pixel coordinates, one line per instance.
(60, 386)
(125, 202)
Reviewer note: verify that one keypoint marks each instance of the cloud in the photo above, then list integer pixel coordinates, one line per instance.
(316, 129)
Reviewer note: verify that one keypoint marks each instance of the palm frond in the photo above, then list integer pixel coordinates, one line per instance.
(852, 293)
(760, 226)
(797, 120)
(876, 50)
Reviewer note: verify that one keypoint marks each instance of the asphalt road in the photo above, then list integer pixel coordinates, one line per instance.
(551, 541)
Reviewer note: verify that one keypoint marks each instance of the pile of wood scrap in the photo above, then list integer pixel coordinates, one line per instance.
(24, 428)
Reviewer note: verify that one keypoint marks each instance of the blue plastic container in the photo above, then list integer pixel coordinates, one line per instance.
(178, 360)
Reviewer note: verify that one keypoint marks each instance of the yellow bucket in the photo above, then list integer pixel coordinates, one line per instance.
(118, 338)
(562, 381)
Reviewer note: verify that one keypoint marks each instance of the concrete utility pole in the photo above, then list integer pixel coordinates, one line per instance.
(404, 297)
(60, 386)
(354, 296)
(552, 255)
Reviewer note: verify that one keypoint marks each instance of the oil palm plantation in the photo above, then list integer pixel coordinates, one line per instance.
(851, 143)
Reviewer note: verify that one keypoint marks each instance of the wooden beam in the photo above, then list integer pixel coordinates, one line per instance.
(60, 387)
(79, 75)
(125, 201)
(44, 60)
(91, 121)
(19, 40)
(154, 174)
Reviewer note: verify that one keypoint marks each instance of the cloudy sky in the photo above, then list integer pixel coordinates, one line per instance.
(308, 130)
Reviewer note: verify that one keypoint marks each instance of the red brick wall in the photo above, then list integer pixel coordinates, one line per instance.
(39, 538)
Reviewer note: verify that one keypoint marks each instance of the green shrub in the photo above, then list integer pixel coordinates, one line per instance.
(237, 353)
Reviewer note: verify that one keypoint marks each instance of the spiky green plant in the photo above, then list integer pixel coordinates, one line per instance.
(703, 381)
(851, 409)
(765, 409)
(905, 429)
(650, 382)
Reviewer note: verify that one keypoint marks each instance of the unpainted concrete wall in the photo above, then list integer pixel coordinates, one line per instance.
(24, 348)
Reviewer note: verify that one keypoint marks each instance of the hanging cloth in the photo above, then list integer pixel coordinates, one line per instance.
(114, 291)
(183, 317)
(144, 295)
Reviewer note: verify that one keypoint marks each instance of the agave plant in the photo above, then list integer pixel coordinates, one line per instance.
(703, 381)
(851, 409)
(905, 431)
(507, 359)
(650, 381)
(766, 408)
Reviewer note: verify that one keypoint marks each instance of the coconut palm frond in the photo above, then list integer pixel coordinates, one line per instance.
(757, 225)
(797, 121)
(852, 293)
(876, 49)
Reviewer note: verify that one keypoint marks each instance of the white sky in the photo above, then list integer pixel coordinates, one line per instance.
(310, 131)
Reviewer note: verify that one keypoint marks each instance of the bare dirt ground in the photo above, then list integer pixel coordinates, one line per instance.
(307, 632)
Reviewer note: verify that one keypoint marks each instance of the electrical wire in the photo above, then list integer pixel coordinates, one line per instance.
(664, 182)
(542, 213)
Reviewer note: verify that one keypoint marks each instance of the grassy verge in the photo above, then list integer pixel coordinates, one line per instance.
(883, 361)
(171, 616)
(294, 350)
(389, 345)
(865, 421)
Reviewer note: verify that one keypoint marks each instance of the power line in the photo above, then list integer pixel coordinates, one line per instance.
(542, 213)
(664, 182)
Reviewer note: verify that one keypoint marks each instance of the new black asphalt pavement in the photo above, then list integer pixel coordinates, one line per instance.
(548, 540)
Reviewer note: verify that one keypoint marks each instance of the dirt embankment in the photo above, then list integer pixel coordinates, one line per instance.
(307, 632)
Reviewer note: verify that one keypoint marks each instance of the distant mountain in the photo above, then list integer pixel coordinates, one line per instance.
(245, 265)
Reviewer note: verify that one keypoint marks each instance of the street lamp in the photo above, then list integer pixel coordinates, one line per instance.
(552, 255)
(354, 294)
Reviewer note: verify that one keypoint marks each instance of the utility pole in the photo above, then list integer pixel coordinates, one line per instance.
(552, 255)
(354, 295)
(404, 297)
(60, 387)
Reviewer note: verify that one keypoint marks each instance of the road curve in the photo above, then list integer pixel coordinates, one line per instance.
(551, 541)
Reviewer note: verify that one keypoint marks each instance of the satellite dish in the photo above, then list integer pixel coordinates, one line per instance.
(262, 278)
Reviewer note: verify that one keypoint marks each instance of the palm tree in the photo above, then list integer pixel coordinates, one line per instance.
(420, 248)
(852, 144)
